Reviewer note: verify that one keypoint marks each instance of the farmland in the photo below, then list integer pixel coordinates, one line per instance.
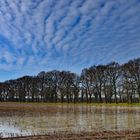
(69, 121)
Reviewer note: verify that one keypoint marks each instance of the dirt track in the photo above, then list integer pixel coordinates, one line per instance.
(105, 135)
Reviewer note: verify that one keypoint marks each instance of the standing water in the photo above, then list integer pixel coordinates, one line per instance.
(70, 118)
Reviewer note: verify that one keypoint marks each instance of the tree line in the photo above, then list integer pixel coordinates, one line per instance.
(100, 84)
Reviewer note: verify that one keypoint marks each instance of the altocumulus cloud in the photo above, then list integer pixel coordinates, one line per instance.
(66, 34)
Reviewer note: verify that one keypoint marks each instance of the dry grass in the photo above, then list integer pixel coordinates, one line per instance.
(30, 105)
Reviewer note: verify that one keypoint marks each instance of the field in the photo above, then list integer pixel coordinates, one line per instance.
(43, 121)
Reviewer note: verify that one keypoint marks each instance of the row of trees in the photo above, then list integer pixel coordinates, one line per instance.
(102, 83)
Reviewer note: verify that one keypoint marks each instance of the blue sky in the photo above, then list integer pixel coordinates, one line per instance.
(38, 35)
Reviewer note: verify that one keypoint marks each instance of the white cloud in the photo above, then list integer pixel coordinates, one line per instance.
(43, 32)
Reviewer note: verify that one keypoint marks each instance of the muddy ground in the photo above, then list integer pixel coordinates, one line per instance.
(104, 135)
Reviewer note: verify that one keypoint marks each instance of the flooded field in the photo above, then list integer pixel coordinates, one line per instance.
(25, 120)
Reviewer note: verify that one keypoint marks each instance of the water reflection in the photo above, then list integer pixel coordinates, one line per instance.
(68, 118)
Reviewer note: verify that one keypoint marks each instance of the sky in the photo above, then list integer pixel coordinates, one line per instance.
(43, 35)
